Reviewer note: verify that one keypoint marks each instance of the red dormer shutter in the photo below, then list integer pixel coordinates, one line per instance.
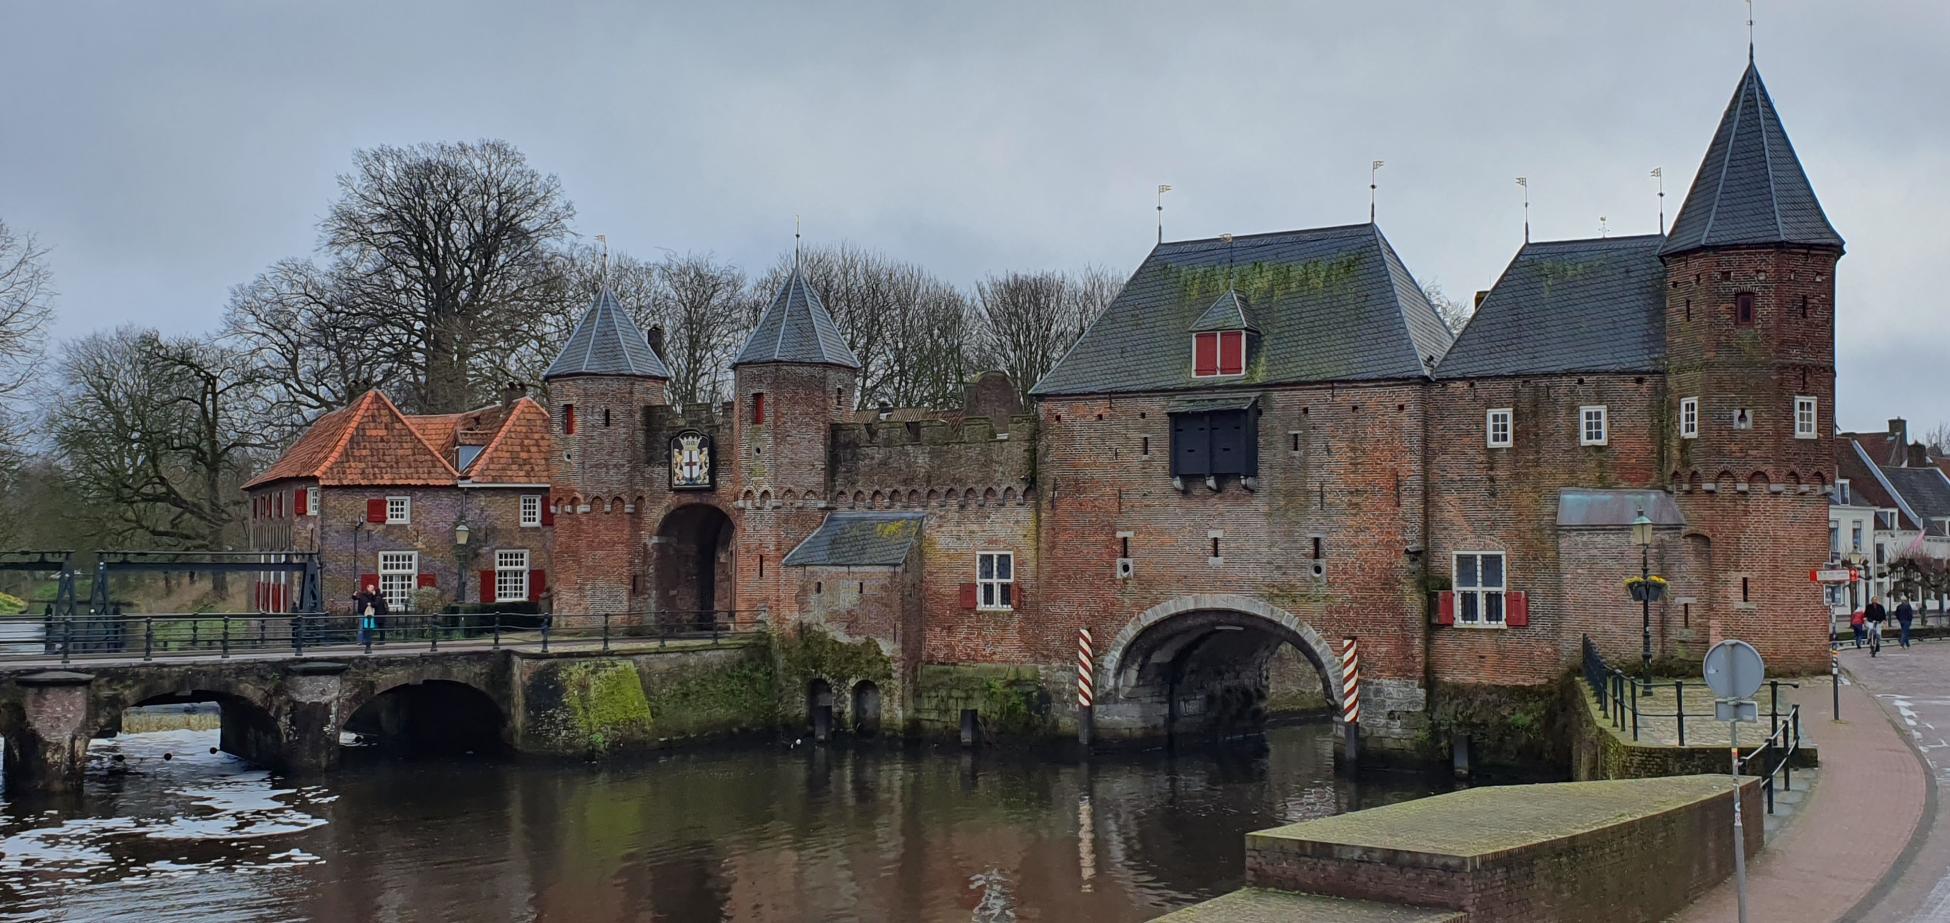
(1516, 609)
(1205, 354)
(1232, 352)
(376, 509)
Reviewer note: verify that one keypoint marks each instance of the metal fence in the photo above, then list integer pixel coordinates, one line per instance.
(154, 636)
(1620, 701)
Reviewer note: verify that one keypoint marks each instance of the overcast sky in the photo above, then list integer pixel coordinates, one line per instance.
(167, 151)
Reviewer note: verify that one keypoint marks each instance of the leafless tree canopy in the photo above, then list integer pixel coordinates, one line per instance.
(444, 252)
(1028, 320)
(26, 293)
(1453, 312)
(292, 329)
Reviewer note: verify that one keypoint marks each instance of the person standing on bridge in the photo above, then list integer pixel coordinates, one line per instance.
(367, 605)
(1905, 613)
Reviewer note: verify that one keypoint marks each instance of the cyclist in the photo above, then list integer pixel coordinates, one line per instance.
(1875, 615)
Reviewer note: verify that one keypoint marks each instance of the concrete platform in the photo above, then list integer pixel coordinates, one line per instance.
(1264, 905)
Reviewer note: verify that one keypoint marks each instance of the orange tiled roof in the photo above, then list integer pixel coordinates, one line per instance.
(520, 451)
(367, 443)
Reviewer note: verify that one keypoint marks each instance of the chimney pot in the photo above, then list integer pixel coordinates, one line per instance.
(512, 392)
(656, 340)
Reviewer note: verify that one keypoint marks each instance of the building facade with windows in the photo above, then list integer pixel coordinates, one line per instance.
(1265, 440)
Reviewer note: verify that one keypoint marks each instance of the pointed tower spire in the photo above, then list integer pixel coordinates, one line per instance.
(607, 342)
(797, 329)
(1750, 188)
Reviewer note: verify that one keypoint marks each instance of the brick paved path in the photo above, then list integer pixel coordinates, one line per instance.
(1914, 688)
(1856, 824)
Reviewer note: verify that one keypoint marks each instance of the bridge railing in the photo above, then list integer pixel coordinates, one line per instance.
(172, 635)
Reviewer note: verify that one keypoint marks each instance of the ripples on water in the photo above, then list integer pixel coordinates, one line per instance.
(757, 833)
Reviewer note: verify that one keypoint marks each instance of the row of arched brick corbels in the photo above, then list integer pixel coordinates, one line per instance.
(890, 499)
(1757, 482)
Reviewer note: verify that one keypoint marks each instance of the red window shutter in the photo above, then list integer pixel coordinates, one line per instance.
(429, 580)
(568, 419)
(1232, 352)
(298, 502)
(1445, 607)
(548, 511)
(1018, 600)
(1516, 609)
(487, 586)
(369, 582)
(1205, 354)
(968, 596)
(376, 509)
(758, 407)
(537, 583)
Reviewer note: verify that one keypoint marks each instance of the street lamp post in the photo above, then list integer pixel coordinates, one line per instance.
(1855, 562)
(1642, 537)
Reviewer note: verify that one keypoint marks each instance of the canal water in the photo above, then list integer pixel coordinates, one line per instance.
(757, 832)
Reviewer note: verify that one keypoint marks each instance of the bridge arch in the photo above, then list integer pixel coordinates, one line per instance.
(1200, 662)
(248, 726)
(692, 560)
(429, 716)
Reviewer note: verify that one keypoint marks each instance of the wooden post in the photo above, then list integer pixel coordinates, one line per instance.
(1351, 699)
(1085, 693)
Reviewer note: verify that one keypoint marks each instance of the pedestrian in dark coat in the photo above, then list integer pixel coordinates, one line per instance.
(1875, 615)
(1904, 615)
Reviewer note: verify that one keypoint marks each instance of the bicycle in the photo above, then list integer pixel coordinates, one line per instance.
(1875, 638)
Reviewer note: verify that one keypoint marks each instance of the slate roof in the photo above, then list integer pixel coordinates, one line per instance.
(1229, 312)
(1332, 304)
(1593, 305)
(607, 342)
(797, 328)
(1750, 188)
(1925, 491)
(367, 443)
(859, 539)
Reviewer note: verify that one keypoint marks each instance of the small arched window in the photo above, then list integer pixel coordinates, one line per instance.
(1743, 309)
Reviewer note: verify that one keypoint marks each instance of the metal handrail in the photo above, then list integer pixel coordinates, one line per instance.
(220, 636)
(1618, 696)
(1777, 753)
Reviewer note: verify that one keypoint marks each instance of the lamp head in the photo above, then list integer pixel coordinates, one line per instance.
(1642, 530)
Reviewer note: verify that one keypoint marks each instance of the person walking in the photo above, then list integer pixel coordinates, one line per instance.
(1904, 615)
(1859, 625)
(365, 606)
(1875, 615)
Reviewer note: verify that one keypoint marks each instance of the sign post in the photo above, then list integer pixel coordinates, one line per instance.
(1085, 693)
(1734, 671)
(1351, 698)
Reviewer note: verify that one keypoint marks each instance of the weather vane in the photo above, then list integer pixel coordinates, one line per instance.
(1372, 170)
(1659, 173)
(1524, 181)
(1162, 189)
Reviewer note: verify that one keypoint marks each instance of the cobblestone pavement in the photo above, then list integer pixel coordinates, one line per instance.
(1857, 823)
(1913, 687)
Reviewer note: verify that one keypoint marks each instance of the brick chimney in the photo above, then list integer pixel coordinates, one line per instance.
(656, 340)
(1919, 456)
(512, 392)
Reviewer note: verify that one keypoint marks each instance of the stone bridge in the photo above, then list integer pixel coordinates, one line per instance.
(287, 713)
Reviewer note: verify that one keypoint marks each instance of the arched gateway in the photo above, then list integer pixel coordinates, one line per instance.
(691, 560)
(1198, 664)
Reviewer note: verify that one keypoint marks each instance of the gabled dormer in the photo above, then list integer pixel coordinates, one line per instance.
(1224, 338)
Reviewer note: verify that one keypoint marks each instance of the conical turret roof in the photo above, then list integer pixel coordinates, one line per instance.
(1750, 188)
(798, 329)
(607, 342)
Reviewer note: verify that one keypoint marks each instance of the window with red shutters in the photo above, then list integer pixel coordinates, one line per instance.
(1205, 355)
(1232, 352)
(968, 596)
(537, 584)
(376, 509)
(568, 419)
(298, 502)
(487, 585)
(1516, 609)
(758, 406)
(1445, 608)
(548, 511)
(429, 580)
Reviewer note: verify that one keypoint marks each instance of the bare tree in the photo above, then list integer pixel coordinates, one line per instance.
(577, 278)
(154, 433)
(701, 304)
(26, 293)
(1454, 313)
(312, 355)
(1027, 321)
(1937, 439)
(446, 248)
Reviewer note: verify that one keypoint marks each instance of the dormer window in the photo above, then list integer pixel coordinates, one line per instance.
(1218, 353)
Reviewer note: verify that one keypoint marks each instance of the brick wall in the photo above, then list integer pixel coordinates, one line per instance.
(350, 545)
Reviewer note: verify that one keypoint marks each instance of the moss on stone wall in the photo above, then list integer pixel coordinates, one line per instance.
(1011, 702)
(605, 704)
(577, 706)
(716, 698)
(810, 652)
(1507, 726)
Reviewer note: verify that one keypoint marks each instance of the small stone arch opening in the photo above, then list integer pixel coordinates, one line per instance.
(866, 708)
(1215, 673)
(244, 729)
(430, 718)
(693, 567)
(819, 694)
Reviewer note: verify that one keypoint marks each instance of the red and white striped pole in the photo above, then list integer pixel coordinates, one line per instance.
(1086, 692)
(1351, 697)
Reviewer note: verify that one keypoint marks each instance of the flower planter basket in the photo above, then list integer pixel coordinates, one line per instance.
(1646, 590)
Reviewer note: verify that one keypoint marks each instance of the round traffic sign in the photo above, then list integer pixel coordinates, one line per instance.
(1734, 669)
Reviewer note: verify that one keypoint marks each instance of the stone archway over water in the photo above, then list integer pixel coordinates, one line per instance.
(1198, 664)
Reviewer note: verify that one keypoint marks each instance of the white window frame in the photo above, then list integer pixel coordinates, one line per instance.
(1807, 417)
(511, 575)
(1585, 419)
(995, 593)
(531, 511)
(399, 511)
(1481, 594)
(1507, 418)
(399, 576)
(311, 501)
(1689, 418)
(1842, 494)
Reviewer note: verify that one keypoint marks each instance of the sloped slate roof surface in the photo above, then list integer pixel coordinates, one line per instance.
(607, 342)
(1569, 306)
(1925, 489)
(1750, 188)
(1229, 312)
(1331, 304)
(859, 539)
(797, 328)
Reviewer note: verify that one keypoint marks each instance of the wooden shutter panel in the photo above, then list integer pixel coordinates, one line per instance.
(429, 580)
(487, 586)
(1445, 607)
(968, 596)
(1018, 600)
(369, 581)
(1516, 609)
(548, 511)
(1205, 354)
(376, 509)
(537, 583)
(298, 507)
(1232, 352)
